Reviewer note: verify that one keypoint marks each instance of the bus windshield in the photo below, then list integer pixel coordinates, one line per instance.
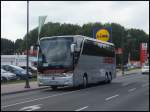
(55, 53)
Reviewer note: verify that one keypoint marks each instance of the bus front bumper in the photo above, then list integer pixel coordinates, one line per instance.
(58, 81)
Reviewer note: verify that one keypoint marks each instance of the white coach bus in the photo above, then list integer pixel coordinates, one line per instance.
(75, 60)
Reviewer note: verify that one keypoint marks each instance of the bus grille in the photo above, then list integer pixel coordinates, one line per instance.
(55, 75)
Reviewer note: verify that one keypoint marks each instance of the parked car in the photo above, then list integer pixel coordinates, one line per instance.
(20, 72)
(145, 68)
(118, 67)
(125, 67)
(5, 75)
(130, 66)
(32, 69)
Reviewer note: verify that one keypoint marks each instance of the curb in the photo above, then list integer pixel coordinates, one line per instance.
(34, 89)
(21, 91)
(120, 75)
(128, 74)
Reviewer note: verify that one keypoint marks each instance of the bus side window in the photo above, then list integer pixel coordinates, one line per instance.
(86, 48)
(96, 49)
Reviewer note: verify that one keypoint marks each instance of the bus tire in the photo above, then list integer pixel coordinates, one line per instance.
(109, 77)
(85, 82)
(106, 78)
(54, 87)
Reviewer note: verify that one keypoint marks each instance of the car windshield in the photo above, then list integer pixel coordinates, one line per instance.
(147, 64)
(146, 67)
(55, 52)
(3, 71)
(18, 68)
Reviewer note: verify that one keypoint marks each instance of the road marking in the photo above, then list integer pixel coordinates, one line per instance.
(31, 108)
(111, 97)
(38, 99)
(126, 84)
(81, 108)
(145, 84)
(130, 90)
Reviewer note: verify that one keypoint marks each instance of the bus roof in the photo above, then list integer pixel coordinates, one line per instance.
(88, 38)
(85, 37)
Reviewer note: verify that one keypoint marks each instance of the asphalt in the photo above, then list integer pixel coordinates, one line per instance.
(7, 89)
(128, 93)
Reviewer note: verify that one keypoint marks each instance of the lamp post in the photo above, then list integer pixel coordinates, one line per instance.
(129, 43)
(27, 77)
(122, 58)
(14, 47)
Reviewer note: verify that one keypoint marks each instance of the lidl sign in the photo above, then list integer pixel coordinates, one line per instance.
(103, 34)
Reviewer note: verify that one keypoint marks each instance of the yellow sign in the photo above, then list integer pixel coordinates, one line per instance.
(103, 34)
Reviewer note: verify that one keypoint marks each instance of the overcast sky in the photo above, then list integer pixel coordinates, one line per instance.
(129, 14)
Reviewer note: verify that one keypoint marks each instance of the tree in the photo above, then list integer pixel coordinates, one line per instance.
(119, 36)
(7, 47)
(18, 45)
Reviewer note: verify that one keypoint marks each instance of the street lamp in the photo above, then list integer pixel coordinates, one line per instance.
(129, 42)
(14, 47)
(122, 58)
(27, 77)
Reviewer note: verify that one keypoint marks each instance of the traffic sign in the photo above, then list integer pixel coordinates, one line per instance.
(103, 34)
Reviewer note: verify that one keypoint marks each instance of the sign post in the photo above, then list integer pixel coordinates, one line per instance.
(41, 23)
(27, 77)
(143, 53)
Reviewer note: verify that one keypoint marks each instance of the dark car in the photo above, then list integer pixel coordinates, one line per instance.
(20, 72)
(31, 68)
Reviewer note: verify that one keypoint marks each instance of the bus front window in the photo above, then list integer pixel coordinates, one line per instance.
(55, 52)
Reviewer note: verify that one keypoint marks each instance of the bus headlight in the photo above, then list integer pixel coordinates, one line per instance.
(68, 74)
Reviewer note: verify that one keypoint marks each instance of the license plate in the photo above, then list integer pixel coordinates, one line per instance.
(53, 78)
(53, 82)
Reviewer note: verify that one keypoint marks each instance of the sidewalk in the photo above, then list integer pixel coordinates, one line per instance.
(19, 87)
(119, 73)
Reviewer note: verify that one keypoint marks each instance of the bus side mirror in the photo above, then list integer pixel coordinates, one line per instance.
(72, 48)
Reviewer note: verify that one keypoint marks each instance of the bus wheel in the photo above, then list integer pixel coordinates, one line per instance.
(85, 82)
(109, 77)
(106, 78)
(54, 87)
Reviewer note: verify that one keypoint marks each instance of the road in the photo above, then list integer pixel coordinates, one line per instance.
(129, 93)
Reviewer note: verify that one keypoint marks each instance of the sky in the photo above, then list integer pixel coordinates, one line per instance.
(130, 14)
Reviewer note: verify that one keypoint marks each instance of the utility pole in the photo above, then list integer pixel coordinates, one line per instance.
(14, 48)
(27, 77)
(122, 57)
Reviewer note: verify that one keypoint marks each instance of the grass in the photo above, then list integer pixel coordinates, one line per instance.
(129, 69)
(18, 81)
(132, 69)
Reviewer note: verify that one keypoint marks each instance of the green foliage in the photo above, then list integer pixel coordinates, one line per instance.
(17, 45)
(130, 39)
(7, 47)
